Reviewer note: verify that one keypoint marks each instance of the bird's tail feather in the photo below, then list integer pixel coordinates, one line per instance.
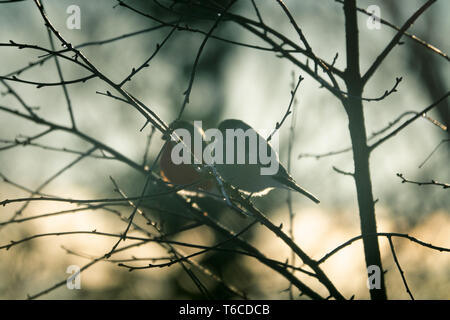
(292, 185)
(305, 193)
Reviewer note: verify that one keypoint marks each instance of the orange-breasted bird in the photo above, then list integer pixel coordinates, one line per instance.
(177, 163)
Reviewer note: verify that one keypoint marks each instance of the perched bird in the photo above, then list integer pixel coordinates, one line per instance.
(247, 161)
(247, 176)
(184, 173)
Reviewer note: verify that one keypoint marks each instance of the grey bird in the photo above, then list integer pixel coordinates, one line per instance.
(247, 176)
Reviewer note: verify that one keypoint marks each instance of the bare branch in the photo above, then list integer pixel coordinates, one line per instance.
(81, 201)
(206, 249)
(424, 183)
(187, 93)
(288, 111)
(432, 152)
(295, 25)
(146, 62)
(408, 122)
(411, 36)
(64, 87)
(151, 116)
(345, 173)
(394, 255)
(18, 98)
(394, 41)
(49, 84)
(382, 234)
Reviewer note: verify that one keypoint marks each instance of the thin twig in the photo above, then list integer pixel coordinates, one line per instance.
(406, 123)
(288, 111)
(49, 84)
(187, 93)
(411, 36)
(134, 71)
(289, 192)
(424, 183)
(381, 234)
(432, 152)
(63, 85)
(394, 41)
(394, 255)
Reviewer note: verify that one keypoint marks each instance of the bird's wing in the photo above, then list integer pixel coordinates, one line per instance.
(239, 124)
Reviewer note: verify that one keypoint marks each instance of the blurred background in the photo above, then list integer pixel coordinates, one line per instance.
(231, 82)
